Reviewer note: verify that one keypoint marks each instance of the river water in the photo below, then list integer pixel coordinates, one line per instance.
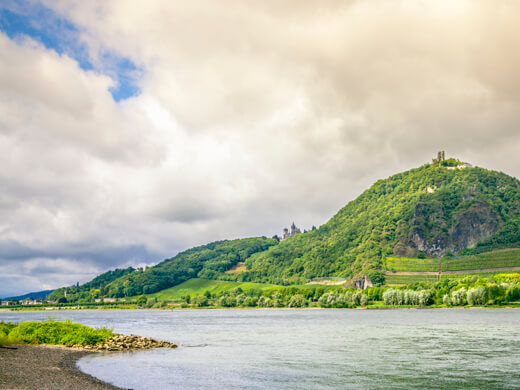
(308, 349)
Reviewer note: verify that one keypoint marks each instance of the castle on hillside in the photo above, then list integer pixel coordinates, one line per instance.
(286, 233)
(294, 231)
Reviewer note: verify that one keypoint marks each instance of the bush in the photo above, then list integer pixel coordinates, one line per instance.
(57, 333)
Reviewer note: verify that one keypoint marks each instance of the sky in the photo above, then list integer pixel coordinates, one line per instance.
(131, 130)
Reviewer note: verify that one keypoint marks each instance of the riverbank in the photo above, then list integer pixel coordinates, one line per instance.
(45, 367)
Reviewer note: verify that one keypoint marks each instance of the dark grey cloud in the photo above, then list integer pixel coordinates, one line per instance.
(61, 266)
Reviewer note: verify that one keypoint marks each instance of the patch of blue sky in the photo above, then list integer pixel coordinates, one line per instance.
(32, 19)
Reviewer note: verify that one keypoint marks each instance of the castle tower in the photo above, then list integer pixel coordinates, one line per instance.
(441, 156)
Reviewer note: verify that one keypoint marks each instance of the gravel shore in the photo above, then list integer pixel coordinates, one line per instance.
(44, 367)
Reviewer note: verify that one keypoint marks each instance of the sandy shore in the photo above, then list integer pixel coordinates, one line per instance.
(44, 367)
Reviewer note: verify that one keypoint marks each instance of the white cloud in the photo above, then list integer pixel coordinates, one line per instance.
(251, 115)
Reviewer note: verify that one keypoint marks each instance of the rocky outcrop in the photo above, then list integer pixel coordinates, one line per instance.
(435, 234)
(361, 283)
(129, 343)
(479, 221)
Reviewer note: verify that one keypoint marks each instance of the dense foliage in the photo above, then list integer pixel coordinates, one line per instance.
(52, 332)
(207, 261)
(292, 297)
(428, 211)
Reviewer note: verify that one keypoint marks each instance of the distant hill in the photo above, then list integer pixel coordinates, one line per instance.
(207, 261)
(31, 295)
(443, 209)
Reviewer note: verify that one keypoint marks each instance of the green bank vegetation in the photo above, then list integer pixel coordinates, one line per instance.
(52, 333)
(473, 290)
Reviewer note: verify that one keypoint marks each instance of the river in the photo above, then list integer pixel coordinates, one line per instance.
(308, 349)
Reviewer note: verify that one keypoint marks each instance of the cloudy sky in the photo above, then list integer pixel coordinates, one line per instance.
(131, 130)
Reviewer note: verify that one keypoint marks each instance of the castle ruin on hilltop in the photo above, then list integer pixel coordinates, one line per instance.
(449, 164)
(441, 156)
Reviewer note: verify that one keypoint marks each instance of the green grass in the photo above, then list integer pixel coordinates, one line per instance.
(410, 264)
(408, 279)
(196, 286)
(501, 259)
(53, 333)
(498, 259)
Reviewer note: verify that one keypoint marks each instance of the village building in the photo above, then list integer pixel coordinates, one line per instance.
(32, 302)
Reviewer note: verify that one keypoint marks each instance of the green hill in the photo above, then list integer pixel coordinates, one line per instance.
(207, 261)
(431, 211)
(439, 210)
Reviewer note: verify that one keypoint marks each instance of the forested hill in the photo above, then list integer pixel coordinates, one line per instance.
(93, 289)
(436, 210)
(432, 211)
(207, 261)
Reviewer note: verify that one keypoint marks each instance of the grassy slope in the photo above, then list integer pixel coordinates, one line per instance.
(198, 286)
(483, 261)
(409, 279)
(498, 259)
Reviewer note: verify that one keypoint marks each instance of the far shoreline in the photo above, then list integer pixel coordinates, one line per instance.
(378, 307)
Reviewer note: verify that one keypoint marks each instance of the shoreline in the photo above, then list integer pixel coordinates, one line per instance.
(45, 367)
(369, 307)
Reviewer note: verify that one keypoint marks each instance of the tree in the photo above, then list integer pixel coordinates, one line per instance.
(297, 300)
(141, 300)
(200, 301)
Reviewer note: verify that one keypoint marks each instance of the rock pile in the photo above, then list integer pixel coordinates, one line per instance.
(128, 343)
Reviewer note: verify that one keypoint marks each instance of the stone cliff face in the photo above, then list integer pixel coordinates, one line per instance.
(436, 234)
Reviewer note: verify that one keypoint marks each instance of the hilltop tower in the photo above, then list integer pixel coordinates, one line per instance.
(441, 156)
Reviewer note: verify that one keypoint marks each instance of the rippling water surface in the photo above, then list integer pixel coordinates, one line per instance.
(309, 349)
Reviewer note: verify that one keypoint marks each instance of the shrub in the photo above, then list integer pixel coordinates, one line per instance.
(57, 333)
